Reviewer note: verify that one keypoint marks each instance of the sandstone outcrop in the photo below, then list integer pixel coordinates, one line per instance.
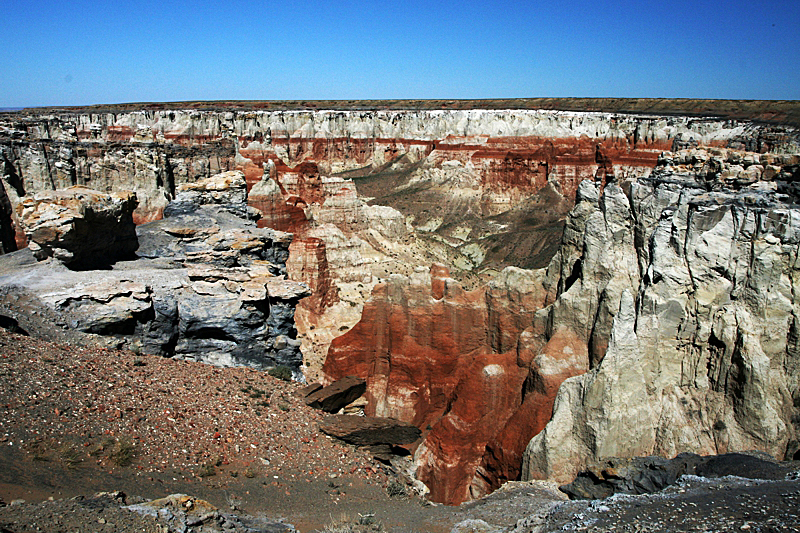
(683, 286)
(208, 285)
(80, 227)
(462, 366)
(8, 241)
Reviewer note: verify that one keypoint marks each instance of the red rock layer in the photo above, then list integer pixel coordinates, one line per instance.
(449, 362)
(515, 166)
(309, 262)
(502, 458)
(145, 216)
(487, 396)
(526, 162)
(411, 348)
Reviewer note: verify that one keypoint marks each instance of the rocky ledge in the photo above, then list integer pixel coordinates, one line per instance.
(80, 227)
(208, 285)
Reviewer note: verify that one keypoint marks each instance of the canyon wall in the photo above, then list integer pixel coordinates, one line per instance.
(689, 279)
(366, 193)
(473, 349)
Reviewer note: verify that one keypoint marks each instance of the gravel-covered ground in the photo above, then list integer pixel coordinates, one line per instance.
(113, 409)
(79, 420)
(721, 505)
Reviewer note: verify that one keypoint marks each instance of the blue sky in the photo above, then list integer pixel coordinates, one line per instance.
(77, 52)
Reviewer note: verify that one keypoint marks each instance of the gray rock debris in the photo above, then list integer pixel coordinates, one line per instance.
(208, 286)
(645, 475)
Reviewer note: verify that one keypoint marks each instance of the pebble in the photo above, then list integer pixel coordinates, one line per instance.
(187, 415)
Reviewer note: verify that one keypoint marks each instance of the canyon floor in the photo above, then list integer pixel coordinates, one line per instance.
(78, 420)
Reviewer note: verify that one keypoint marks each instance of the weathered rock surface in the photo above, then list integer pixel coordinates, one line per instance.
(645, 475)
(463, 366)
(370, 430)
(336, 395)
(115, 510)
(692, 504)
(80, 227)
(366, 193)
(683, 285)
(227, 190)
(208, 286)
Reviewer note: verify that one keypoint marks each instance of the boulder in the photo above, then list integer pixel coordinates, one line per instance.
(207, 286)
(370, 430)
(308, 389)
(227, 190)
(742, 465)
(338, 394)
(638, 475)
(80, 227)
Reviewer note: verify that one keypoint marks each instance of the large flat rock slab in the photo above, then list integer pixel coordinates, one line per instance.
(370, 430)
(80, 227)
(338, 394)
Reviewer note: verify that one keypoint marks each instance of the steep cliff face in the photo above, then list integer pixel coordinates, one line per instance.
(511, 153)
(463, 366)
(479, 371)
(694, 341)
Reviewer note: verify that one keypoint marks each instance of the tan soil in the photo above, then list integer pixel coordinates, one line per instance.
(72, 417)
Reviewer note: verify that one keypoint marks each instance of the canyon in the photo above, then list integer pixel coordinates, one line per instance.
(533, 289)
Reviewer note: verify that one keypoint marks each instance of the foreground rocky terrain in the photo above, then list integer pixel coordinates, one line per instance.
(79, 420)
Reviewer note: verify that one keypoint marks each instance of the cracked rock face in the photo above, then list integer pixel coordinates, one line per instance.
(208, 286)
(80, 227)
(684, 284)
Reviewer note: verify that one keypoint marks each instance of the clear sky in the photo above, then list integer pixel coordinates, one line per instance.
(75, 52)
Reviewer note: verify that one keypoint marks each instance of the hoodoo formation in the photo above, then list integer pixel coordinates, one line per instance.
(534, 290)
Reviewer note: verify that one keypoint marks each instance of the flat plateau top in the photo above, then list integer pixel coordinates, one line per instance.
(768, 111)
